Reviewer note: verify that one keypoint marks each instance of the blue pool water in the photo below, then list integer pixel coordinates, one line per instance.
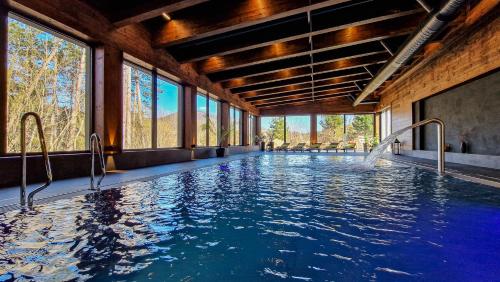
(270, 217)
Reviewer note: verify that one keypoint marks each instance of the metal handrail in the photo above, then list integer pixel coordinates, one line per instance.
(440, 139)
(95, 141)
(23, 157)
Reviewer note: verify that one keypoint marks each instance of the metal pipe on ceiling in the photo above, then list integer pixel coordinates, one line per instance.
(431, 27)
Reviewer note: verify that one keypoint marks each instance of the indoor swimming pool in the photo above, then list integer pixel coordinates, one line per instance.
(271, 217)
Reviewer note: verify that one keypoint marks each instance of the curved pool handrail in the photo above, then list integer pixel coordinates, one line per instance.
(95, 141)
(440, 140)
(45, 154)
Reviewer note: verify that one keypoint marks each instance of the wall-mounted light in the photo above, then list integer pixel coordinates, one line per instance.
(166, 16)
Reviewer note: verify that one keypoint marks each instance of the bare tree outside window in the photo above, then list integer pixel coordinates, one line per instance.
(137, 116)
(47, 74)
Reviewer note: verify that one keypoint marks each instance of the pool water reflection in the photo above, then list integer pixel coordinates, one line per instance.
(270, 217)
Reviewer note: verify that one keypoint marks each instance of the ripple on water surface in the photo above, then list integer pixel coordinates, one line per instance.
(271, 217)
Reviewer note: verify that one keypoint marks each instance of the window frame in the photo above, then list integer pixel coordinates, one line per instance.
(89, 79)
(240, 125)
(155, 75)
(180, 104)
(209, 97)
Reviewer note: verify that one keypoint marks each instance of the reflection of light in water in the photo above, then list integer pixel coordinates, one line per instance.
(224, 167)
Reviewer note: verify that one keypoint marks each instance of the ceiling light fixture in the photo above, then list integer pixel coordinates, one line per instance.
(166, 16)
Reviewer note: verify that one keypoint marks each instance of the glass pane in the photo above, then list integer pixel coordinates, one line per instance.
(46, 75)
(330, 128)
(273, 129)
(167, 114)
(298, 129)
(237, 127)
(201, 114)
(137, 117)
(231, 126)
(213, 122)
(359, 129)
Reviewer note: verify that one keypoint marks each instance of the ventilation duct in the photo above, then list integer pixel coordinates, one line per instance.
(432, 26)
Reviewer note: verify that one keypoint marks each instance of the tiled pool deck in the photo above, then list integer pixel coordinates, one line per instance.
(9, 197)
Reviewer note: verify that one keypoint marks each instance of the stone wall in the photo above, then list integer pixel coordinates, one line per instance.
(475, 54)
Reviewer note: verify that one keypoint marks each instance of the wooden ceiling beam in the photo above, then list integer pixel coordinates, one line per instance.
(357, 51)
(335, 106)
(317, 86)
(329, 89)
(306, 95)
(306, 71)
(323, 42)
(218, 17)
(309, 99)
(301, 80)
(145, 10)
(295, 28)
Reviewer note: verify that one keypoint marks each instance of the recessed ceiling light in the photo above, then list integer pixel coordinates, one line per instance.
(166, 16)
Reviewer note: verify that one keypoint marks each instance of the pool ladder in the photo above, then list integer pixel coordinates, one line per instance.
(95, 142)
(45, 154)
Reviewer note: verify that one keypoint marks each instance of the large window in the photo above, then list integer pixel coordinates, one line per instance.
(138, 105)
(208, 120)
(150, 109)
(49, 74)
(213, 122)
(359, 128)
(385, 123)
(168, 105)
(330, 128)
(235, 125)
(251, 129)
(273, 129)
(298, 129)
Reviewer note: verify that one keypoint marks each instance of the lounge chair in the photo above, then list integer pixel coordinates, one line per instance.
(315, 146)
(332, 146)
(349, 146)
(283, 147)
(298, 147)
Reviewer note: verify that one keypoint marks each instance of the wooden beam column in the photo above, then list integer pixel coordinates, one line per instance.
(225, 120)
(314, 129)
(3, 77)
(190, 120)
(244, 130)
(258, 129)
(108, 98)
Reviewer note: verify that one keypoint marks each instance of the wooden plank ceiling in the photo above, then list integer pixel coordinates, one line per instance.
(277, 52)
